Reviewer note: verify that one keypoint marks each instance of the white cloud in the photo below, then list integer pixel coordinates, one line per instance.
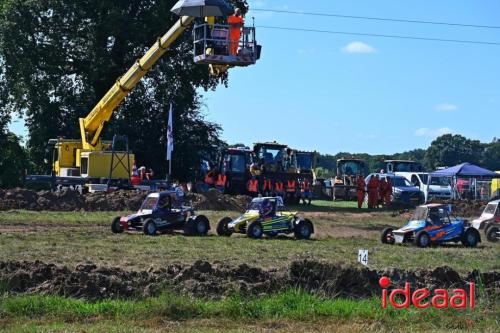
(430, 132)
(358, 47)
(446, 107)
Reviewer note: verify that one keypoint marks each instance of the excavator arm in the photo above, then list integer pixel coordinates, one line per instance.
(92, 125)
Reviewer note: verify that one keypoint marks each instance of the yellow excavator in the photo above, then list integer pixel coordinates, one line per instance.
(91, 160)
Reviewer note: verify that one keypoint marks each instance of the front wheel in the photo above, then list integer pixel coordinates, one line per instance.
(422, 239)
(303, 230)
(116, 226)
(470, 238)
(387, 236)
(255, 230)
(149, 228)
(493, 234)
(223, 227)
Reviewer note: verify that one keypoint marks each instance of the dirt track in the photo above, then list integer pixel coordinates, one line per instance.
(206, 280)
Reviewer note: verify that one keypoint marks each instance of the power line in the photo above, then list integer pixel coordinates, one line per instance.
(376, 18)
(381, 35)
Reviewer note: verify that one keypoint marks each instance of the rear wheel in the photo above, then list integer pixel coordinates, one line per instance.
(493, 234)
(116, 226)
(201, 225)
(303, 230)
(149, 228)
(387, 236)
(223, 227)
(470, 238)
(255, 230)
(422, 239)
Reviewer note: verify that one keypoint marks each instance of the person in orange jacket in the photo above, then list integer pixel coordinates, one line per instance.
(221, 182)
(235, 22)
(267, 187)
(305, 191)
(253, 187)
(291, 189)
(279, 189)
(373, 186)
(360, 190)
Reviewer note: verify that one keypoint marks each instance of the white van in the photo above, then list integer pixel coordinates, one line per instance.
(438, 188)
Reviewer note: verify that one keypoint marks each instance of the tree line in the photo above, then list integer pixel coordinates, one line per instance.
(446, 151)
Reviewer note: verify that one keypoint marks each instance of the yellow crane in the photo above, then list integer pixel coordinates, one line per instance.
(91, 159)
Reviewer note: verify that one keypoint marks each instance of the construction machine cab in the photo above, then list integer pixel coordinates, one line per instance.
(275, 157)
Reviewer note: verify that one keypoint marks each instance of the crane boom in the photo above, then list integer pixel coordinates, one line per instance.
(92, 125)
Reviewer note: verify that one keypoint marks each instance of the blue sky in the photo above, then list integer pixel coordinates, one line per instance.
(334, 93)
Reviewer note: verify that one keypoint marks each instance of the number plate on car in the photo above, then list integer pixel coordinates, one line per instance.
(399, 238)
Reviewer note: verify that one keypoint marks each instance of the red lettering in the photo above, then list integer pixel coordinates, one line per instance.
(418, 296)
(405, 292)
(459, 295)
(441, 295)
(472, 294)
(384, 298)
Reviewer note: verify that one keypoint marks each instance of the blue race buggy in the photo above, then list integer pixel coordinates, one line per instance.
(432, 224)
(162, 212)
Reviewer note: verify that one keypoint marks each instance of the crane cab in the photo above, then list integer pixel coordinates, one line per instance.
(212, 46)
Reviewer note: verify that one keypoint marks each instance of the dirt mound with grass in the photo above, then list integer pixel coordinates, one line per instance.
(213, 200)
(218, 280)
(68, 200)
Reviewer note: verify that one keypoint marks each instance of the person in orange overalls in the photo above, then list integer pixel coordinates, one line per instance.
(267, 187)
(388, 192)
(373, 185)
(382, 188)
(360, 189)
(235, 22)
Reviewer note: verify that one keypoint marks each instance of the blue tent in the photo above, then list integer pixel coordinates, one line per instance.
(466, 170)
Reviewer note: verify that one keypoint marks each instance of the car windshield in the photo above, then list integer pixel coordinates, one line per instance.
(400, 182)
(440, 181)
(149, 203)
(255, 205)
(490, 209)
(420, 213)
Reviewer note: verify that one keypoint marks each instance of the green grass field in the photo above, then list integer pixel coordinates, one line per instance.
(341, 230)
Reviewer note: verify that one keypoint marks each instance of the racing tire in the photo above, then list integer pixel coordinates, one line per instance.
(470, 238)
(303, 230)
(491, 234)
(387, 236)
(202, 225)
(223, 227)
(149, 228)
(116, 226)
(422, 239)
(255, 230)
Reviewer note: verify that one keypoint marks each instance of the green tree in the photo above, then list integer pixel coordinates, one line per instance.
(450, 150)
(61, 56)
(491, 156)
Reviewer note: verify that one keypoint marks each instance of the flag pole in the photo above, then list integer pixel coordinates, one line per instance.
(170, 142)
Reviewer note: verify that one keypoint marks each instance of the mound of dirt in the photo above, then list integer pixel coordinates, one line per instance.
(213, 200)
(68, 200)
(214, 281)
